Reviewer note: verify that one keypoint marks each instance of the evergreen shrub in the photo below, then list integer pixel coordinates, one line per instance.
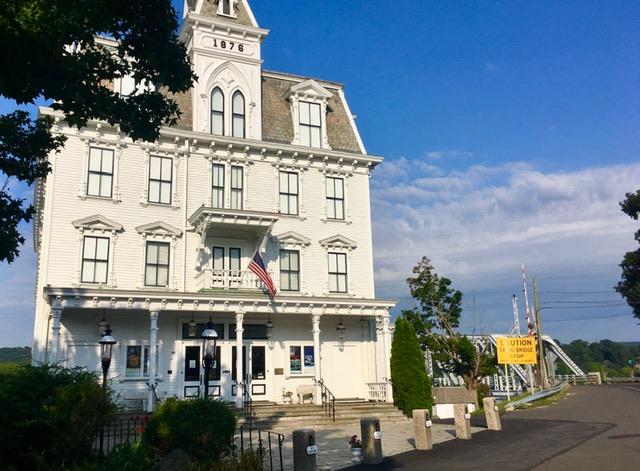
(203, 428)
(411, 385)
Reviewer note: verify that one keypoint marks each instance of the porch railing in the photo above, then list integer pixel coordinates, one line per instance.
(268, 445)
(210, 278)
(328, 400)
(377, 392)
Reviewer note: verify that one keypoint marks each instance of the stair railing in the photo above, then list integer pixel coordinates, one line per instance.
(247, 403)
(328, 399)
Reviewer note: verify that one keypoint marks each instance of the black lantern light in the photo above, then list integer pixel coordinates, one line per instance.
(269, 328)
(102, 326)
(193, 327)
(209, 338)
(340, 329)
(107, 341)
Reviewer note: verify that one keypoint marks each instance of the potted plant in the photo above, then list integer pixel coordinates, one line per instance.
(356, 449)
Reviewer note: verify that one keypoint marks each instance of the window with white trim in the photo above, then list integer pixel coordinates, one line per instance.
(100, 173)
(137, 362)
(288, 192)
(160, 179)
(237, 115)
(226, 7)
(157, 264)
(217, 194)
(310, 124)
(335, 198)
(237, 185)
(217, 112)
(95, 259)
(289, 270)
(337, 272)
(302, 360)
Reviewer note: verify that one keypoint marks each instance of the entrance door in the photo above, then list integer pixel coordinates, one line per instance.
(346, 372)
(193, 380)
(254, 370)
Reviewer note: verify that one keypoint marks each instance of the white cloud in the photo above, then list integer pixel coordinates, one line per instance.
(480, 224)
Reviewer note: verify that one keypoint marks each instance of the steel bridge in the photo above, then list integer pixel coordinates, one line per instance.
(517, 378)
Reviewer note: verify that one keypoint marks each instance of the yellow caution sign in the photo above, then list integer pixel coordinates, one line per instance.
(516, 350)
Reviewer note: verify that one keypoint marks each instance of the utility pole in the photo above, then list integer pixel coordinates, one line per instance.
(530, 326)
(542, 367)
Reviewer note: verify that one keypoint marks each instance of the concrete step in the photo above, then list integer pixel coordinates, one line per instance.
(316, 421)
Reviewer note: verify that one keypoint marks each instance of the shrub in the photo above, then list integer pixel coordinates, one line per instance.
(411, 385)
(482, 391)
(129, 457)
(203, 428)
(49, 416)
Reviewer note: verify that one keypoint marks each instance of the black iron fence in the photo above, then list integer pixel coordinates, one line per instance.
(124, 429)
(267, 444)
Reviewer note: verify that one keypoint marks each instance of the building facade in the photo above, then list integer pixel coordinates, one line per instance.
(155, 239)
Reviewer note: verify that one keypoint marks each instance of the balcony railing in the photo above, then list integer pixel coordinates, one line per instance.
(377, 392)
(229, 279)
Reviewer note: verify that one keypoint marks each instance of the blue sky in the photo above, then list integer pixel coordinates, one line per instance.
(509, 130)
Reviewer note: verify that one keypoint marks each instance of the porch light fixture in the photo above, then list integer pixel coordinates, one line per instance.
(102, 326)
(193, 327)
(269, 327)
(340, 329)
(107, 341)
(209, 338)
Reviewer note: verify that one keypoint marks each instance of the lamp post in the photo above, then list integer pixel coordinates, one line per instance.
(106, 349)
(209, 338)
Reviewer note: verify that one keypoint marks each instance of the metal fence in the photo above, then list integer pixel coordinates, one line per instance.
(124, 429)
(268, 445)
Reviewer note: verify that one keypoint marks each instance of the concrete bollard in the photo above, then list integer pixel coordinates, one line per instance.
(422, 429)
(304, 450)
(463, 421)
(491, 413)
(371, 440)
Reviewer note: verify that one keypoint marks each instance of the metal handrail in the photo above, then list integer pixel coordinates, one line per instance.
(263, 451)
(247, 403)
(328, 399)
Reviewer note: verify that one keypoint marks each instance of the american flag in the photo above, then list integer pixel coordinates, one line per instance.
(257, 267)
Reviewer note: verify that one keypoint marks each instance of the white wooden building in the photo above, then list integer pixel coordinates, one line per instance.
(155, 237)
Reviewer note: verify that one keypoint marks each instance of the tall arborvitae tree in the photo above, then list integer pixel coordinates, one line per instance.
(411, 385)
(629, 286)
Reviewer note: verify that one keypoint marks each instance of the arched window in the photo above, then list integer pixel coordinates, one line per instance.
(238, 114)
(217, 112)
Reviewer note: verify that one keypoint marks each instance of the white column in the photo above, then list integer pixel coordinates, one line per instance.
(315, 318)
(239, 359)
(56, 315)
(386, 340)
(153, 357)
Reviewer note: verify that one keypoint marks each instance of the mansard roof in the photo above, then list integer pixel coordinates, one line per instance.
(159, 228)
(277, 119)
(97, 221)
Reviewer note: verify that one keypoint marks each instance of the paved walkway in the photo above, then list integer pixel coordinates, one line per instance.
(591, 428)
(334, 449)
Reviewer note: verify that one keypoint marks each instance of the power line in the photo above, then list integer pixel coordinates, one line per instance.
(586, 318)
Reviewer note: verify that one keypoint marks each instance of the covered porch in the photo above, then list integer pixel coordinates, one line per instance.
(288, 347)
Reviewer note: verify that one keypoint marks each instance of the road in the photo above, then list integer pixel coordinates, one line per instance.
(591, 428)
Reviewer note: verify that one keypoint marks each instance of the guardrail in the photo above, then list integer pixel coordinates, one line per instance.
(624, 379)
(539, 395)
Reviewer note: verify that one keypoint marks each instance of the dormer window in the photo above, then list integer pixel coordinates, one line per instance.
(309, 106)
(238, 122)
(310, 124)
(226, 7)
(217, 112)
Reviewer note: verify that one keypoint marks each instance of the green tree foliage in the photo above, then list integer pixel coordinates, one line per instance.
(629, 285)
(411, 385)
(49, 51)
(606, 356)
(15, 355)
(203, 428)
(436, 318)
(49, 416)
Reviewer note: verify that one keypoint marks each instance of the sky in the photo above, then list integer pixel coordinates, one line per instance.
(509, 131)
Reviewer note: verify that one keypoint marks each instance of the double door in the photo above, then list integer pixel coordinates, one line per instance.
(223, 382)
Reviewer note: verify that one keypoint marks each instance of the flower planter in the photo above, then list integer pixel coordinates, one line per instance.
(356, 455)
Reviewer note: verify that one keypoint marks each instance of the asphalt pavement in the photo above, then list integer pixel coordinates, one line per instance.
(591, 428)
